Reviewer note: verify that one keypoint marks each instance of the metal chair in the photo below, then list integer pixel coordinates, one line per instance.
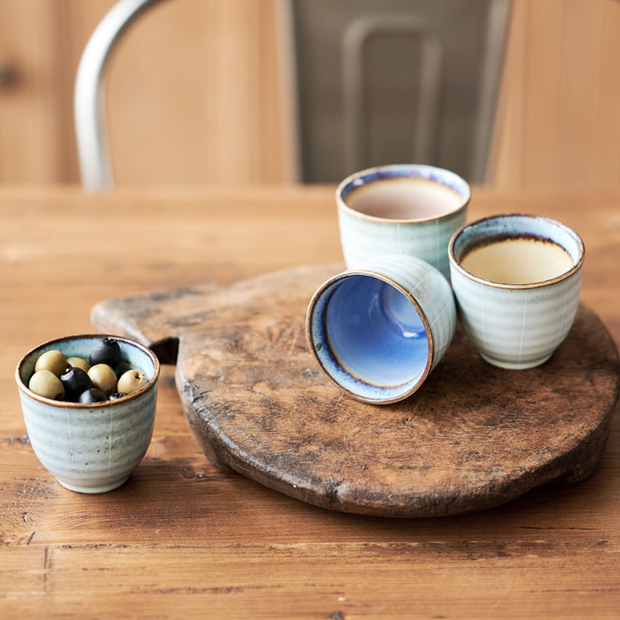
(89, 95)
(90, 117)
(356, 39)
(388, 81)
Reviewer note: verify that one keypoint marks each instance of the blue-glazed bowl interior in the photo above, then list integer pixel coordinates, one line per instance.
(404, 171)
(514, 225)
(133, 355)
(370, 338)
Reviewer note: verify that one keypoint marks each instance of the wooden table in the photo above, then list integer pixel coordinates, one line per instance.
(182, 539)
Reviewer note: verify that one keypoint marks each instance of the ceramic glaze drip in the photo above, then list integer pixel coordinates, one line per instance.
(518, 261)
(404, 199)
(378, 332)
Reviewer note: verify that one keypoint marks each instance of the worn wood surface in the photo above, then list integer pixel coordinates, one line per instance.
(473, 437)
(185, 539)
(558, 118)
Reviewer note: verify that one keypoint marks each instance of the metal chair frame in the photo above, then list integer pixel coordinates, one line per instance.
(89, 95)
(90, 107)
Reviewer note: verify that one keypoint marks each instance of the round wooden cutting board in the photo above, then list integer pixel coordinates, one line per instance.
(474, 436)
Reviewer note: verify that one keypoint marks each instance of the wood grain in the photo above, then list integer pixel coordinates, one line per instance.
(473, 437)
(559, 119)
(184, 539)
(195, 93)
(30, 130)
(201, 92)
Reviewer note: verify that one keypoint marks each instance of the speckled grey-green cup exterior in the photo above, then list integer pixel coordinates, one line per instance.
(365, 237)
(516, 326)
(378, 331)
(90, 448)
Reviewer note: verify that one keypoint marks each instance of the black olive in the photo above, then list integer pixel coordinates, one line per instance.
(75, 381)
(106, 351)
(117, 395)
(92, 396)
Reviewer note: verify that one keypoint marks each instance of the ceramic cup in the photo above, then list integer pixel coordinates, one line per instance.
(90, 448)
(517, 326)
(379, 330)
(401, 209)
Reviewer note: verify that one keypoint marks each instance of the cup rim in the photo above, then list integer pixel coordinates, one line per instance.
(526, 285)
(427, 328)
(107, 403)
(376, 169)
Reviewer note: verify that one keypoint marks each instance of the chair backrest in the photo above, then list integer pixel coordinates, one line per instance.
(89, 96)
(438, 78)
(395, 81)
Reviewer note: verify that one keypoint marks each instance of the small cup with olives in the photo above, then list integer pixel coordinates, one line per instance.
(89, 406)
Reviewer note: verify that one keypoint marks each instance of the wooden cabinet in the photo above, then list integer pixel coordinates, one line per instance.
(193, 93)
(199, 92)
(559, 116)
(32, 101)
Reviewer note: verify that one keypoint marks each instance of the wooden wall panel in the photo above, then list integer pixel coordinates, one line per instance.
(194, 93)
(29, 130)
(559, 117)
(607, 124)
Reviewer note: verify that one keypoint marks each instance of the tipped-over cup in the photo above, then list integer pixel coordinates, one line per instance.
(379, 330)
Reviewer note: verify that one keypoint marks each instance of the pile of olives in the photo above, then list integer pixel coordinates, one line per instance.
(75, 380)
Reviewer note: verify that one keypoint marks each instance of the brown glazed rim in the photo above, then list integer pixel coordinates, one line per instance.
(527, 285)
(373, 218)
(106, 403)
(427, 329)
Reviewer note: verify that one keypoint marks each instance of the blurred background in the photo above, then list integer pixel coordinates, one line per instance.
(239, 92)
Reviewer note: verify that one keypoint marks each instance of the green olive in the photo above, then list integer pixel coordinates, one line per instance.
(131, 381)
(47, 384)
(54, 361)
(77, 362)
(103, 378)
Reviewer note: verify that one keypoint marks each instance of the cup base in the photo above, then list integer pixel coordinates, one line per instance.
(104, 488)
(516, 365)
